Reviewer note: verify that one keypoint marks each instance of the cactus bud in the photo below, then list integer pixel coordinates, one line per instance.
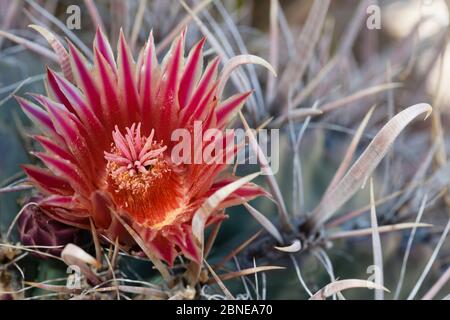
(38, 229)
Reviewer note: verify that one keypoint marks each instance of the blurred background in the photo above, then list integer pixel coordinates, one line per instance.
(342, 57)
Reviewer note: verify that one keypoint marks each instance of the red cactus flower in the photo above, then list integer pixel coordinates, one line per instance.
(106, 132)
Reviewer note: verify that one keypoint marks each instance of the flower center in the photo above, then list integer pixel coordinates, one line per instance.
(133, 154)
(140, 178)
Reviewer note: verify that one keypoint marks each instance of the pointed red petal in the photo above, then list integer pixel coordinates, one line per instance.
(115, 112)
(167, 95)
(126, 78)
(40, 117)
(56, 92)
(66, 202)
(204, 107)
(191, 73)
(66, 170)
(75, 218)
(247, 192)
(47, 181)
(149, 76)
(206, 82)
(55, 148)
(101, 206)
(101, 44)
(184, 240)
(85, 80)
(81, 108)
(229, 107)
(69, 128)
(163, 249)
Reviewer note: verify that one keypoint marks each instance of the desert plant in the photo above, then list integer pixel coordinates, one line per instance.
(105, 118)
